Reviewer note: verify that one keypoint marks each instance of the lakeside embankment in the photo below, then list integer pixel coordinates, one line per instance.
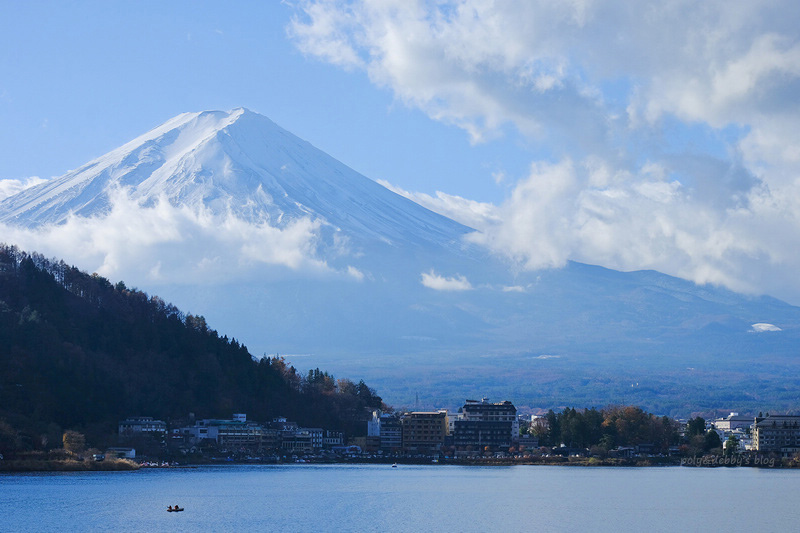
(67, 465)
(708, 461)
(120, 465)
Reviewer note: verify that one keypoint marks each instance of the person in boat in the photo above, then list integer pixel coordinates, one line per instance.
(169, 508)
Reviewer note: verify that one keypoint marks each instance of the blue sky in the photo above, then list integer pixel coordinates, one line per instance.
(631, 135)
(79, 79)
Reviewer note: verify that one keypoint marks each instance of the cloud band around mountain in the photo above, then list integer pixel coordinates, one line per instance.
(163, 243)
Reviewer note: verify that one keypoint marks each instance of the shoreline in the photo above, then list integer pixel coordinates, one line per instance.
(67, 465)
(593, 462)
(127, 465)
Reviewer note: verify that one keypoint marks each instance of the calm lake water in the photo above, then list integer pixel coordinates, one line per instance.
(407, 498)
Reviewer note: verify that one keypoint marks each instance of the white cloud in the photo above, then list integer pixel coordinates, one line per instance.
(546, 67)
(633, 221)
(468, 212)
(514, 288)
(534, 227)
(355, 273)
(669, 130)
(168, 244)
(325, 34)
(10, 187)
(473, 64)
(441, 283)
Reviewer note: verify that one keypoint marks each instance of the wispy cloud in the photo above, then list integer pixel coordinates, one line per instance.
(355, 273)
(514, 288)
(442, 283)
(468, 212)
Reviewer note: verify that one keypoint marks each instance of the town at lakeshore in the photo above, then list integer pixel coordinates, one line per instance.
(481, 432)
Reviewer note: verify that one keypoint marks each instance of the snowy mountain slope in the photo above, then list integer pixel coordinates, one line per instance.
(421, 304)
(241, 162)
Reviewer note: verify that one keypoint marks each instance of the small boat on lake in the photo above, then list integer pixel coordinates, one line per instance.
(175, 509)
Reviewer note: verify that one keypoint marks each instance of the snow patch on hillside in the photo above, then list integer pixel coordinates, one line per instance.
(762, 327)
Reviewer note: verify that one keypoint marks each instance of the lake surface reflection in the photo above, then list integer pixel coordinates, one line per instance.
(407, 498)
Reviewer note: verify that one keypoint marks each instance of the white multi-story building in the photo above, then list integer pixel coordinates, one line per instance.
(484, 426)
(141, 424)
(374, 425)
(485, 411)
(384, 432)
(733, 421)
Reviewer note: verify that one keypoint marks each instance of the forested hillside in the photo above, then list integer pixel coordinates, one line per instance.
(78, 352)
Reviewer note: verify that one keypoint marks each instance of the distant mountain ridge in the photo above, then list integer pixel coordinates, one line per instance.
(424, 305)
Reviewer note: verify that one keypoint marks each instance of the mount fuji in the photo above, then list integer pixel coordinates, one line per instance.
(278, 244)
(239, 162)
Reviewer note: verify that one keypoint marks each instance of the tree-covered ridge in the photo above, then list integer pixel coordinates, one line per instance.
(77, 351)
(606, 428)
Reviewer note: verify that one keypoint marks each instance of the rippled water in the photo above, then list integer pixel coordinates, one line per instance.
(407, 498)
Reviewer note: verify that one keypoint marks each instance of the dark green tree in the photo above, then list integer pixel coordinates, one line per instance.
(711, 441)
(695, 426)
(9, 439)
(731, 445)
(553, 429)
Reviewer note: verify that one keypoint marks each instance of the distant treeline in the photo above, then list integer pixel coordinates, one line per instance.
(78, 352)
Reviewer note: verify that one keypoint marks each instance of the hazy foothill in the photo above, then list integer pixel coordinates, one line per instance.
(83, 354)
(313, 259)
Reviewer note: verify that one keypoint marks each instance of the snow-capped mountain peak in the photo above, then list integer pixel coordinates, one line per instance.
(240, 162)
